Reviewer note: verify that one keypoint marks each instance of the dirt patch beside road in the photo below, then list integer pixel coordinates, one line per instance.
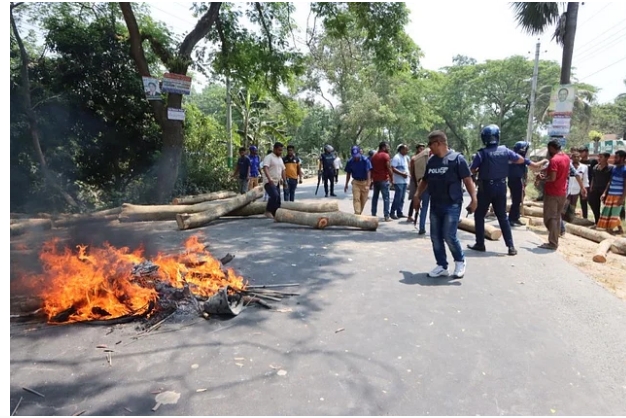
(579, 251)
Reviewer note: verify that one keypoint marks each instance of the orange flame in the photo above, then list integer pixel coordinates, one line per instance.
(98, 284)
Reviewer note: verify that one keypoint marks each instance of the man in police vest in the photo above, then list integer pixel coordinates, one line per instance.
(327, 167)
(492, 165)
(445, 171)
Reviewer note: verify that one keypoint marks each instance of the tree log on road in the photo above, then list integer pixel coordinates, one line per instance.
(258, 208)
(492, 233)
(603, 248)
(204, 197)
(134, 213)
(590, 234)
(619, 246)
(18, 228)
(220, 208)
(323, 220)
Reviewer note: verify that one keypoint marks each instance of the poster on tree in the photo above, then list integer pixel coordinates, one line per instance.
(151, 88)
(176, 83)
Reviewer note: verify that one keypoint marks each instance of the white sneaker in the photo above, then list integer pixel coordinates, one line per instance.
(459, 269)
(438, 272)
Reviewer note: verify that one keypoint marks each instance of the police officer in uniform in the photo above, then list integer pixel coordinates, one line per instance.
(492, 165)
(327, 167)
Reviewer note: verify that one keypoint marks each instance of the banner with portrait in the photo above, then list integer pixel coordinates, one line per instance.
(562, 101)
(151, 88)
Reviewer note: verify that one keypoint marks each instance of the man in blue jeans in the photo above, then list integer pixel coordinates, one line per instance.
(400, 168)
(382, 175)
(445, 171)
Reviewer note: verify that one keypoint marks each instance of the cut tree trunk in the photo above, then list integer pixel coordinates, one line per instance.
(204, 197)
(590, 234)
(535, 221)
(532, 211)
(25, 225)
(492, 233)
(603, 248)
(258, 208)
(322, 220)
(194, 220)
(82, 219)
(133, 213)
(619, 246)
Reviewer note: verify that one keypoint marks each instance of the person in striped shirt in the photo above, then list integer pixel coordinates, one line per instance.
(614, 196)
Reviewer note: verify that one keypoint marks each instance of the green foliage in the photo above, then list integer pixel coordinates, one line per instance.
(204, 167)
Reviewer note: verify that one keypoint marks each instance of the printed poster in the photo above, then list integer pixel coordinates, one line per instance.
(562, 100)
(151, 88)
(175, 114)
(176, 83)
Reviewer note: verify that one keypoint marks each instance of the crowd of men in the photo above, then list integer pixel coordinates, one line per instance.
(436, 178)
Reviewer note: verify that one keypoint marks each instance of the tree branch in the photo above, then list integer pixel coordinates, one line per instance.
(259, 9)
(139, 56)
(136, 47)
(200, 31)
(14, 5)
(162, 52)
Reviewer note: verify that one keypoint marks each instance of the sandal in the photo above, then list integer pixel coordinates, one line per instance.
(547, 247)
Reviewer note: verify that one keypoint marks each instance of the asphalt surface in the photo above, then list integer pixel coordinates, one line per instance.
(370, 334)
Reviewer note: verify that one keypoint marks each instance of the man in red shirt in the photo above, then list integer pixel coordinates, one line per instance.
(382, 177)
(555, 193)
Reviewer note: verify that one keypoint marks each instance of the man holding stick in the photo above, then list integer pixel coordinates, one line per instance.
(445, 171)
(360, 169)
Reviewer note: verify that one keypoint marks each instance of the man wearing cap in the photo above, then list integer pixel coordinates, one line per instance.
(359, 168)
(400, 170)
(255, 167)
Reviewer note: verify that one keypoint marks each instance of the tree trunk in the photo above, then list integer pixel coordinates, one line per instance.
(258, 208)
(619, 246)
(532, 211)
(590, 234)
(167, 172)
(193, 220)
(322, 220)
(491, 233)
(82, 219)
(23, 226)
(571, 23)
(602, 250)
(135, 213)
(535, 221)
(204, 197)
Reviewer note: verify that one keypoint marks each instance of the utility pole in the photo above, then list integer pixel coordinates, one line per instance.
(229, 122)
(531, 111)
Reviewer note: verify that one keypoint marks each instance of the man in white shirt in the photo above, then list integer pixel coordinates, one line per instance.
(574, 190)
(400, 168)
(273, 177)
(337, 164)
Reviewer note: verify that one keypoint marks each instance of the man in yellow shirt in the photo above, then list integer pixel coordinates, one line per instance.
(293, 173)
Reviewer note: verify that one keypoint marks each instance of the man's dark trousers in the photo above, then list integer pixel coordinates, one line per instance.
(516, 186)
(273, 203)
(492, 192)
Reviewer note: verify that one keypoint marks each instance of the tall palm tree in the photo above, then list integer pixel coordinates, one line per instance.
(535, 18)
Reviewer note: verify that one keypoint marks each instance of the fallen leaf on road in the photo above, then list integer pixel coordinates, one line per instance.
(284, 310)
(239, 364)
(274, 367)
(339, 330)
(553, 410)
(194, 366)
(282, 372)
(239, 359)
(520, 282)
(201, 390)
(166, 398)
(101, 346)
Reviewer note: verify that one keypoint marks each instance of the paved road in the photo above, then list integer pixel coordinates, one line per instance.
(525, 335)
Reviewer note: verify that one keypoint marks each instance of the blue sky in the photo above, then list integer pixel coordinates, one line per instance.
(599, 57)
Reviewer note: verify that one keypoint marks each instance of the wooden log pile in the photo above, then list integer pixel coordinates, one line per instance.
(491, 232)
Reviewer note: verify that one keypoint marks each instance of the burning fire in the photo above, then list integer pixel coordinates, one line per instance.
(100, 283)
